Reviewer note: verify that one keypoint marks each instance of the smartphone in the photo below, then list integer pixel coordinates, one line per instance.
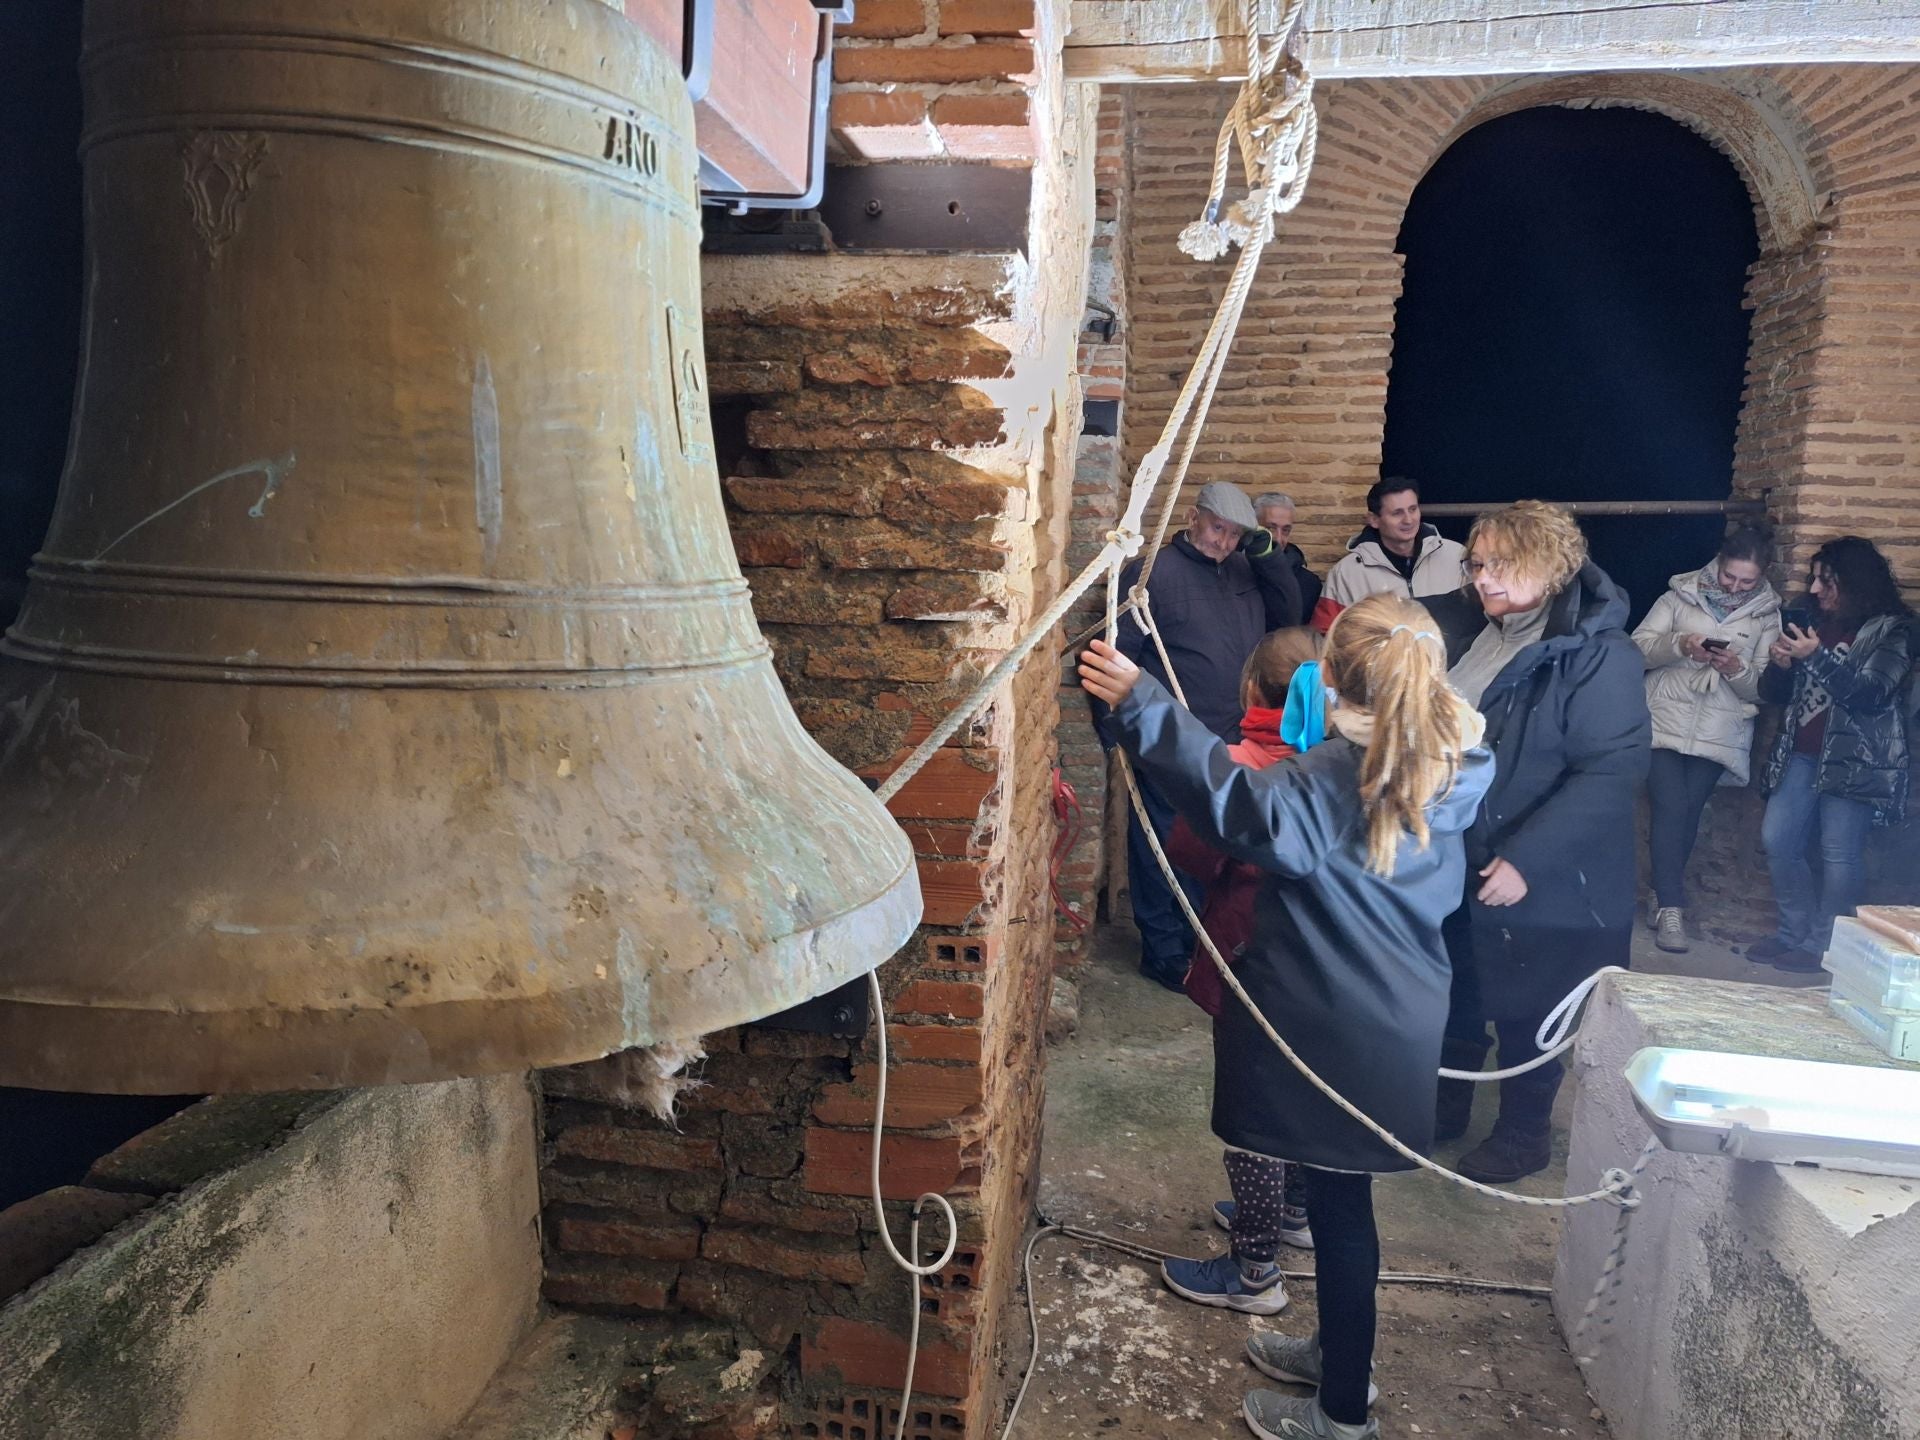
(1713, 645)
(1796, 616)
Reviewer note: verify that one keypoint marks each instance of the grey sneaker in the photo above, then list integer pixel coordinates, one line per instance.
(1670, 930)
(1273, 1416)
(1295, 1360)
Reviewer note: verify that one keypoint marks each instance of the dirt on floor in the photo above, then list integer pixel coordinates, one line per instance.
(1128, 1153)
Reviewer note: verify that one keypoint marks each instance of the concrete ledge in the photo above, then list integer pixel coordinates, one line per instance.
(359, 1276)
(1755, 1300)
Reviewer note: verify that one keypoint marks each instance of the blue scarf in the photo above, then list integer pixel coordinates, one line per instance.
(1720, 603)
(1303, 724)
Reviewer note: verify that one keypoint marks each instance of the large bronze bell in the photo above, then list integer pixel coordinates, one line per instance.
(387, 704)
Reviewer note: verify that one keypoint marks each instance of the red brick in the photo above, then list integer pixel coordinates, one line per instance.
(934, 1042)
(794, 1257)
(863, 1354)
(917, 1095)
(957, 596)
(953, 785)
(935, 64)
(964, 952)
(986, 17)
(40, 1232)
(803, 497)
(614, 1285)
(751, 1207)
(884, 125)
(839, 1162)
(952, 892)
(956, 999)
(985, 127)
(886, 19)
(647, 1149)
(608, 1233)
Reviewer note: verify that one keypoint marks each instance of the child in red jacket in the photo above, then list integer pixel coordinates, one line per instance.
(1279, 1215)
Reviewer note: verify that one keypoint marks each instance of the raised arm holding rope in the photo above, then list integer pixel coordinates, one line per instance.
(1361, 840)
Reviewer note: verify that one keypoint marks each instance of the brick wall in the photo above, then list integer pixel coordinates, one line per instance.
(899, 433)
(1099, 485)
(1830, 426)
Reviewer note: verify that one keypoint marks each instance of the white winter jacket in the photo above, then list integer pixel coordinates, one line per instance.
(1696, 709)
(1365, 570)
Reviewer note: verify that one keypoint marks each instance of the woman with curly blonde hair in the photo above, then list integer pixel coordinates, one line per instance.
(1536, 638)
(1360, 842)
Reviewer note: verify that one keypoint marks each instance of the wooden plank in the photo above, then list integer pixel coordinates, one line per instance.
(1147, 40)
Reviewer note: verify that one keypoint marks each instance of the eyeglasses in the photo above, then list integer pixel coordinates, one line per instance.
(1498, 568)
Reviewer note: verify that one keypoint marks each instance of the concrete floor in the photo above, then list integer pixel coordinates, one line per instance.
(1128, 1152)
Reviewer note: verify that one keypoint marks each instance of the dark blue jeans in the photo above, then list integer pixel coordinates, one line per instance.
(1346, 1268)
(1794, 812)
(1166, 940)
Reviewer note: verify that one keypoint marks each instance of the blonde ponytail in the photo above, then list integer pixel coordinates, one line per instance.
(1384, 657)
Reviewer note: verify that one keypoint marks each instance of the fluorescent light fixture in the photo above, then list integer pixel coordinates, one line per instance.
(1864, 1118)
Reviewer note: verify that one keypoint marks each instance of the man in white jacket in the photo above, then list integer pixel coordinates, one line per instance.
(1396, 553)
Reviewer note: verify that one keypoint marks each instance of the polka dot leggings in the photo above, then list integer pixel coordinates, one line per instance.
(1263, 1190)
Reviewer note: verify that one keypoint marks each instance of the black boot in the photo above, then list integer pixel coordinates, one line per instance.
(1453, 1109)
(1522, 1139)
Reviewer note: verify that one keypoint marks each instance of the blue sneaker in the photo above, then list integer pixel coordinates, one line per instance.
(1294, 1228)
(1226, 1284)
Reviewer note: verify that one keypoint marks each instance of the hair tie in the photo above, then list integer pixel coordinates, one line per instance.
(1417, 634)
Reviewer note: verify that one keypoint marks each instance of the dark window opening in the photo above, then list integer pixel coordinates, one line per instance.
(1571, 328)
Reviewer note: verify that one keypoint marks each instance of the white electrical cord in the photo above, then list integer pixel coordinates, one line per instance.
(915, 1270)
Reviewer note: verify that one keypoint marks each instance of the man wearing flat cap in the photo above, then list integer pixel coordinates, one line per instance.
(1216, 589)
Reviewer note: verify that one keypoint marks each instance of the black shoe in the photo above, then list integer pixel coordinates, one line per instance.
(1797, 962)
(1175, 982)
(1452, 1111)
(1506, 1156)
(1768, 950)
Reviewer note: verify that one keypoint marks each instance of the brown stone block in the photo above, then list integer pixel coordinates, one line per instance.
(884, 655)
(935, 1042)
(985, 127)
(759, 496)
(795, 1257)
(956, 596)
(599, 1282)
(839, 1162)
(201, 1140)
(754, 1207)
(918, 1095)
(894, 418)
(934, 64)
(955, 999)
(859, 1353)
(953, 892)
(953, 785)
(645, 1149)
(42, 1231)
(986, 17)
(769, 544)
(807, 597)
(880, 545)
(752, 377)
(968, 500)
(886, 19)
(604, 1232)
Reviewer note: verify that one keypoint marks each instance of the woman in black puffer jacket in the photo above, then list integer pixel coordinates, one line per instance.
(1537, 642)
(1839, 764)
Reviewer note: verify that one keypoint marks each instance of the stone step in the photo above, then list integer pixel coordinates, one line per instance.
(561, 1384)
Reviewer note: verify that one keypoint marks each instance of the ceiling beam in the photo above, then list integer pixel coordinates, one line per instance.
(1117, 41)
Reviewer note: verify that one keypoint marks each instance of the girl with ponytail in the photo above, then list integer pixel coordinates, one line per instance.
(1360, 841)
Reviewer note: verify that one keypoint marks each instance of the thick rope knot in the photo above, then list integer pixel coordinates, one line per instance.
(1205, 240)
(1625, 1192)
(1126, 541)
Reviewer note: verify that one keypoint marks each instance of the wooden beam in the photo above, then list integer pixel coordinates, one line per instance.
(1116, 41)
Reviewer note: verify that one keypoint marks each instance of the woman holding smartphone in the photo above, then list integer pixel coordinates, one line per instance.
(1839, 764)
(1705, 642)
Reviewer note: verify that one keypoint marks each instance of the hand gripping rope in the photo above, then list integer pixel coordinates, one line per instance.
(1274, 128)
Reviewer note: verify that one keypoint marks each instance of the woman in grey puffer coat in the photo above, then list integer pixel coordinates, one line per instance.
(1705, 643)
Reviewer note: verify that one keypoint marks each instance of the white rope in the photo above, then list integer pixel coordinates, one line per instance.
(1555, 1035)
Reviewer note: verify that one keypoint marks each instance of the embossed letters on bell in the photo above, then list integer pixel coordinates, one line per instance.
(386, 704)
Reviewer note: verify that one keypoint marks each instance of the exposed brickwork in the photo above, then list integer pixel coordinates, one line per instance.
(939, 79)
(1099, 483)
(1830, 428)
(900, 506)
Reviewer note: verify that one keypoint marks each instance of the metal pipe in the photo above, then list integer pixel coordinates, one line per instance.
(1615, 507)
